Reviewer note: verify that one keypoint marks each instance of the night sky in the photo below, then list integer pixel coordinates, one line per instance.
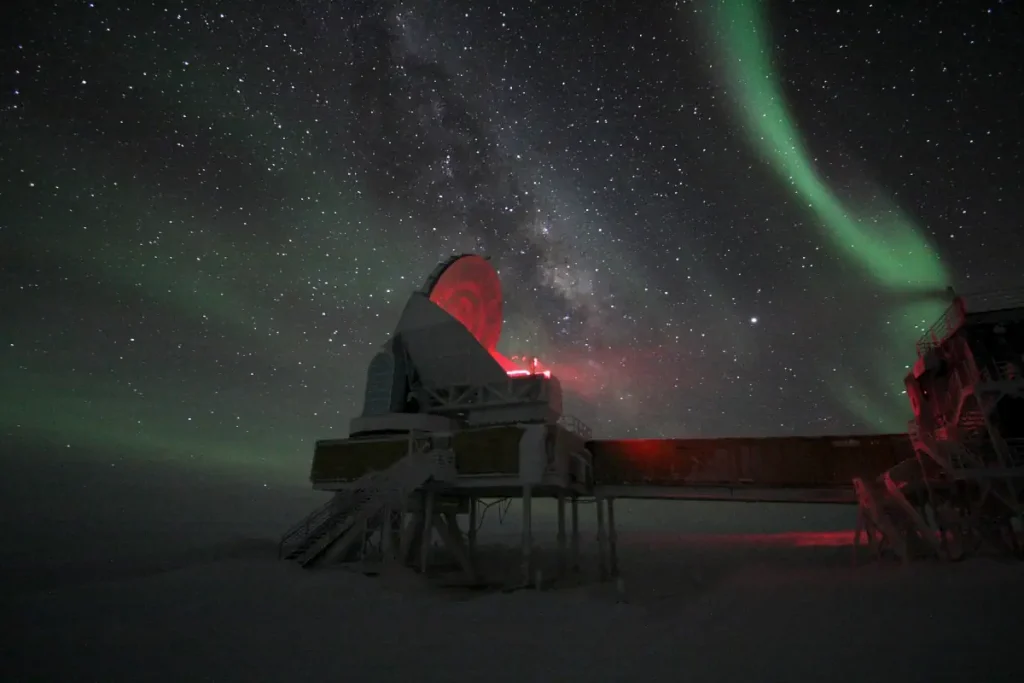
(723, 218)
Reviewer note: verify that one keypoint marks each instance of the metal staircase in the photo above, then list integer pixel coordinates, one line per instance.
(893, 522)
(312, 527)
(346, 518)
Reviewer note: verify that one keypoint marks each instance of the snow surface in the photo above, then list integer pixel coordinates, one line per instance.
(717, 606)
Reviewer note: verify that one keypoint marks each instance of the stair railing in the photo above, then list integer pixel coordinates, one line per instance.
(302, 530)
(576, 426)
(392, 485)
(943, 328)
(304, 527)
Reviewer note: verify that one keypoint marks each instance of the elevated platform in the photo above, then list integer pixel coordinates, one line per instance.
(497, 461)
(490, 461)
(529, 460)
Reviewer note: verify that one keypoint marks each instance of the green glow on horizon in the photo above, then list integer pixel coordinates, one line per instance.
(234, 301)
(109, 418)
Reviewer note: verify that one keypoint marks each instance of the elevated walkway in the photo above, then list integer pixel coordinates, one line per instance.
(530, 461)
(774, 469)
(740, 493)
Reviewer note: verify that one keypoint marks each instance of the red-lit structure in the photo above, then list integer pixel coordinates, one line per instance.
(964, 490)
(467, 288)
(449, 421)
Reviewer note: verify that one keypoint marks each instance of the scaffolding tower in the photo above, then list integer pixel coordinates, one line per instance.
(966, 389)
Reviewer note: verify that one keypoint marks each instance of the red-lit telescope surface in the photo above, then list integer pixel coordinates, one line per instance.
(469, 290)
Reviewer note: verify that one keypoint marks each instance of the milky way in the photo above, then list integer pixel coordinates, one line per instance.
(717, 218)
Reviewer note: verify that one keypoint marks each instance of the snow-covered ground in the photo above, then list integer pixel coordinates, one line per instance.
(738, 603)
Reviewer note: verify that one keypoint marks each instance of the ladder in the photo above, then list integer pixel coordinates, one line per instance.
(344, 520)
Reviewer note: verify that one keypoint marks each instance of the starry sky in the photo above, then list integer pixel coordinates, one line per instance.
(710, 218)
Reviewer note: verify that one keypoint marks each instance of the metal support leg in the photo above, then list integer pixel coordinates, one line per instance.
(428, 529)
(471, 531)
(397, 526)
(447, 527)
(386, 536)
(412, 532)
(527, 562)
(602, 565)
(857, 532)
(575, 533)
(613, 553)
(561, 534)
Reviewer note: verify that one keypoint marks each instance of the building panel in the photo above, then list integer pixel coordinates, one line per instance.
(785, 461)
(492, 450)
(349, 459)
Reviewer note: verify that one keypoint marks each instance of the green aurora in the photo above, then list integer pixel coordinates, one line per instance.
(893, 253)
(218, 287)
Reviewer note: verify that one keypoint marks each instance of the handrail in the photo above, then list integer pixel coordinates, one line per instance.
(1003, 371)
(393, 482)
(304, 526)
(953, 317)
(943, 328)
(576, 426)
(995, 299)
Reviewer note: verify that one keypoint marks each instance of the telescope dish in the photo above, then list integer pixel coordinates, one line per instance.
(468, 289)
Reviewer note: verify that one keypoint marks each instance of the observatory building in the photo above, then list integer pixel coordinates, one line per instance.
(448, 421)
(446, 417)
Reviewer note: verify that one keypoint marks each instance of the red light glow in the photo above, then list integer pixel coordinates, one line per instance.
(787, 539)
(525, 366)
(469, 290)
(509, 365)
(527, 373)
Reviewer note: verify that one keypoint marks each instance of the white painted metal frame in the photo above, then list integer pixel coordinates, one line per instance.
(464, 397)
